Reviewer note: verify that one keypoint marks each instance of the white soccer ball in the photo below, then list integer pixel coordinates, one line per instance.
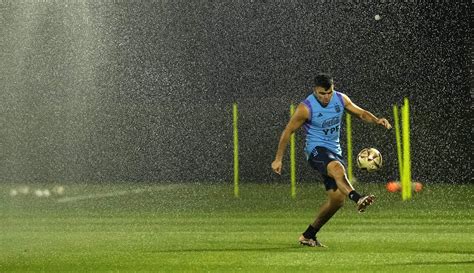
(369, 159)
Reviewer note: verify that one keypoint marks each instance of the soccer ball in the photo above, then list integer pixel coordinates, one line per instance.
(369, 159)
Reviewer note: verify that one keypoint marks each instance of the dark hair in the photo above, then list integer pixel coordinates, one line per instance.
(323, 80)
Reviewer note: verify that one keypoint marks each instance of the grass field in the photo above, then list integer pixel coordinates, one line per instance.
(203, 228)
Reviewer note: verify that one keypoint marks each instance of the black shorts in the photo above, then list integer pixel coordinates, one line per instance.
(319, 160)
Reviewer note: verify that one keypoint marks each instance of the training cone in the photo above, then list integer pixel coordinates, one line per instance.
(416, 186)
(393, 186)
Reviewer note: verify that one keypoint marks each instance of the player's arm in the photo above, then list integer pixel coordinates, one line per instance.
(363, 114)
(296, 121)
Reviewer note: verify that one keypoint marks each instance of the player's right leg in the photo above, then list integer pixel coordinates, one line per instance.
(336, 170)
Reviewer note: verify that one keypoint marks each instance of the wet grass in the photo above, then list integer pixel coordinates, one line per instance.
(203, 228)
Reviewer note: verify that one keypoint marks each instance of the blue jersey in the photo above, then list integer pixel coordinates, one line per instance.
(324, 124)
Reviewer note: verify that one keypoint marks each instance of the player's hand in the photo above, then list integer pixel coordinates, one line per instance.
(384, 123)
(276, 166)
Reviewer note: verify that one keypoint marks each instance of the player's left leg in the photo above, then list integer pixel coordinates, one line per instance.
(334, 202)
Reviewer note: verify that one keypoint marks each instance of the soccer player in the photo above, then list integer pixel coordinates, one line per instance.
(320, 114)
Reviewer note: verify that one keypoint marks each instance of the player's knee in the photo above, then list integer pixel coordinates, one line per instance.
(336, 169)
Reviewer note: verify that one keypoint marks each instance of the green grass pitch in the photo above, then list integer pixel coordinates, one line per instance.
(203, 228)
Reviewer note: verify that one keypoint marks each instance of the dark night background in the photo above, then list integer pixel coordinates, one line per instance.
(143, 90)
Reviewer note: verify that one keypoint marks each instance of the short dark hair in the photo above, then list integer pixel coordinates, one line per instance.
(323, 80)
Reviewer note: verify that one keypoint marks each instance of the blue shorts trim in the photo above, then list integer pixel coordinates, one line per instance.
(319, 159)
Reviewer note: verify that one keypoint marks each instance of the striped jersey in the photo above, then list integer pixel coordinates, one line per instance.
(324, 124)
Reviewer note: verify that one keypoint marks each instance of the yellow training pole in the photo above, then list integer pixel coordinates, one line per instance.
(236, 153)
(349, 147)
(292, 158)
(406, 182)
(396, 118)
